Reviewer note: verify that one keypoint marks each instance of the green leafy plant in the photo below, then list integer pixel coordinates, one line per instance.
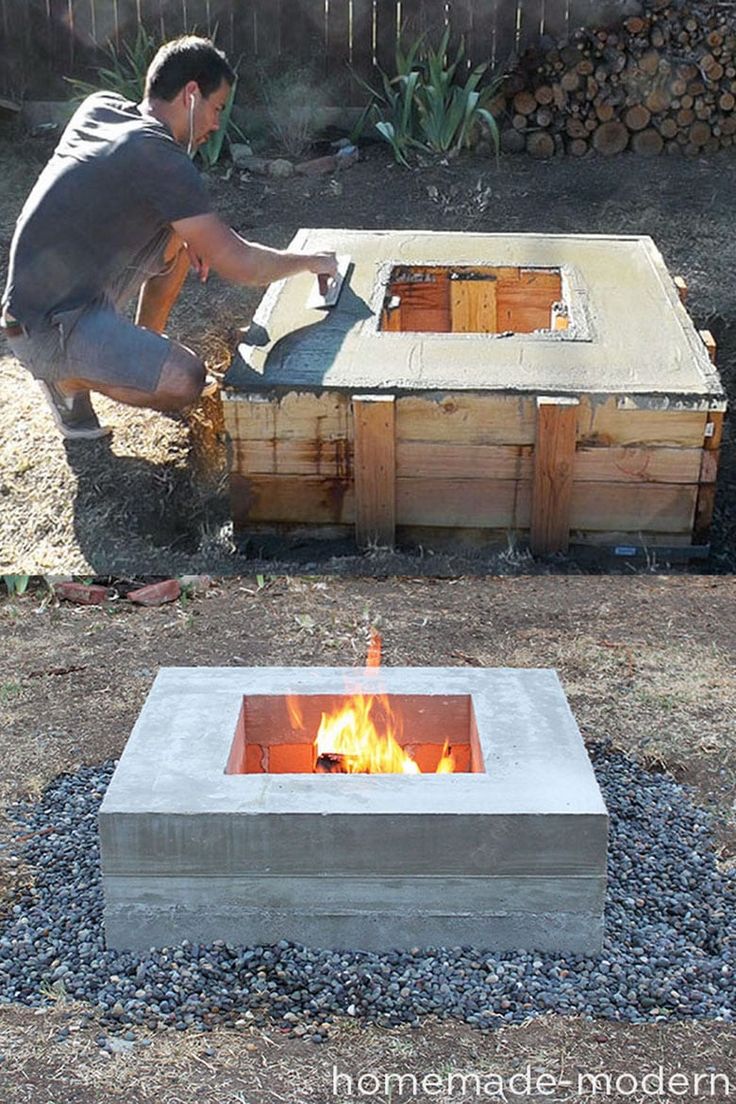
(126, 75)
(427, 106)
(16, 584)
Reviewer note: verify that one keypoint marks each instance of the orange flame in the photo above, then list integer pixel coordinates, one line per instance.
(365, 735)
(373, 659)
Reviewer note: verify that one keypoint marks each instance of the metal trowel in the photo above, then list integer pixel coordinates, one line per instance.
(327, 292)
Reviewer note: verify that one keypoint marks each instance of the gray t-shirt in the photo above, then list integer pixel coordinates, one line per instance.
(113, 186)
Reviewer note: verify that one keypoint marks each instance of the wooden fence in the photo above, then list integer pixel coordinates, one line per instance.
(43, 40)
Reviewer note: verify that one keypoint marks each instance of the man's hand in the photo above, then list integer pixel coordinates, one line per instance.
(324, 266)
(197, 263)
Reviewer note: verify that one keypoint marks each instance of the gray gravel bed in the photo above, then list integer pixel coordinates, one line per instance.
(669, 951)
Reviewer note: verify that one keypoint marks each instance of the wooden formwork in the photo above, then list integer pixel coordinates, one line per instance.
(595, 468)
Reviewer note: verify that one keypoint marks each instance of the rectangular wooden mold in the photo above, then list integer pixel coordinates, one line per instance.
(408, 413)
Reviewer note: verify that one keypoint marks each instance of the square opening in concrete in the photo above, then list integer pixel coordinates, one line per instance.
(477, 299)
(355, 734)
(509, 853)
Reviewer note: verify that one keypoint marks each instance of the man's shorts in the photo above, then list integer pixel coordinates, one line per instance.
(97, 342)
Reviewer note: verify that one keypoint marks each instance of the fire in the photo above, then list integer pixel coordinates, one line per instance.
(364, 735)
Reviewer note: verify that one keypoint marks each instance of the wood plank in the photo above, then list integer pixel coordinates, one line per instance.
(268, 19)
(581, 13)
(604, 423)
(474, 419)
(639, 509)
(150, 17)
(303, 34)
(473, 306)
(62, 40)
(555, 18)
(40, 54)
(241, 31)
(713, 433)
(710, 343)
(126, 22)
(554, 463)
(313, 500)
(198, 14)
(413, 22)
(681, 285)
(385, 34)
(174, 18)
(704, 507)
(531, 14)
(336, 47)
(504, 40)
(295, 457)
(481, 45)
(296, 415)
(374, 429)
(420, 459)
(471, 503)
(460, 14)
(637, 465)
(361, 47)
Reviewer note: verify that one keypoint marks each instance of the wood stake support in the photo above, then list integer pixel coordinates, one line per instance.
(554, 458)
(681, 285)
(710, 343)
(374, 418)
(708, 472)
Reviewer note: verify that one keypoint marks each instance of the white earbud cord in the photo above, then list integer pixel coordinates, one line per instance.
(190, 148)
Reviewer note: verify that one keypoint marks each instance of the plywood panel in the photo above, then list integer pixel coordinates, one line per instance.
(474, 419)
(314, 500)
(473, 503)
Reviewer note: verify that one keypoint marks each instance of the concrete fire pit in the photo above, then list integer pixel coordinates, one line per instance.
(212, 827)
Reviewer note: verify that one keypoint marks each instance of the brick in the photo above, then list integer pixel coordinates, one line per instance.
(291, 759)
(82, 594)
(254, 759)
(156, 594)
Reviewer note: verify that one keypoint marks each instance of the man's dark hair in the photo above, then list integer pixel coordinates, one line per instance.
(185, 59)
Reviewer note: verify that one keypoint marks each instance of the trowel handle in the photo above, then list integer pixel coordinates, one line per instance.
(323, 282)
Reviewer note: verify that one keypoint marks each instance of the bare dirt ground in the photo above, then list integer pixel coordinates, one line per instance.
(139, 504)
(647, 662)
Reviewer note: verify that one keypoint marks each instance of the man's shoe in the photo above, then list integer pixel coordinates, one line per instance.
(74, 414)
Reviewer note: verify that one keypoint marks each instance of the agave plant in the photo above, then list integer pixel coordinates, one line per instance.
(126, 75)
(448, 110)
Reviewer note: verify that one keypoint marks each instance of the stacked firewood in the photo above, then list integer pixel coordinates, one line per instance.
(662, 81)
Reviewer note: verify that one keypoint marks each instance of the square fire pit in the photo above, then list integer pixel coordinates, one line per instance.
(470, 387)
(214, 825)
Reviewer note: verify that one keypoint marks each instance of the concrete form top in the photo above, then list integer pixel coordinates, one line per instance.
(174, 762)
(629, 334)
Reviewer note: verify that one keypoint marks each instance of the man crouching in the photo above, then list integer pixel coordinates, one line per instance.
(120, 210)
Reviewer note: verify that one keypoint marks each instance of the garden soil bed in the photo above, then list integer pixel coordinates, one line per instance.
(149, 502)
(646, 662)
